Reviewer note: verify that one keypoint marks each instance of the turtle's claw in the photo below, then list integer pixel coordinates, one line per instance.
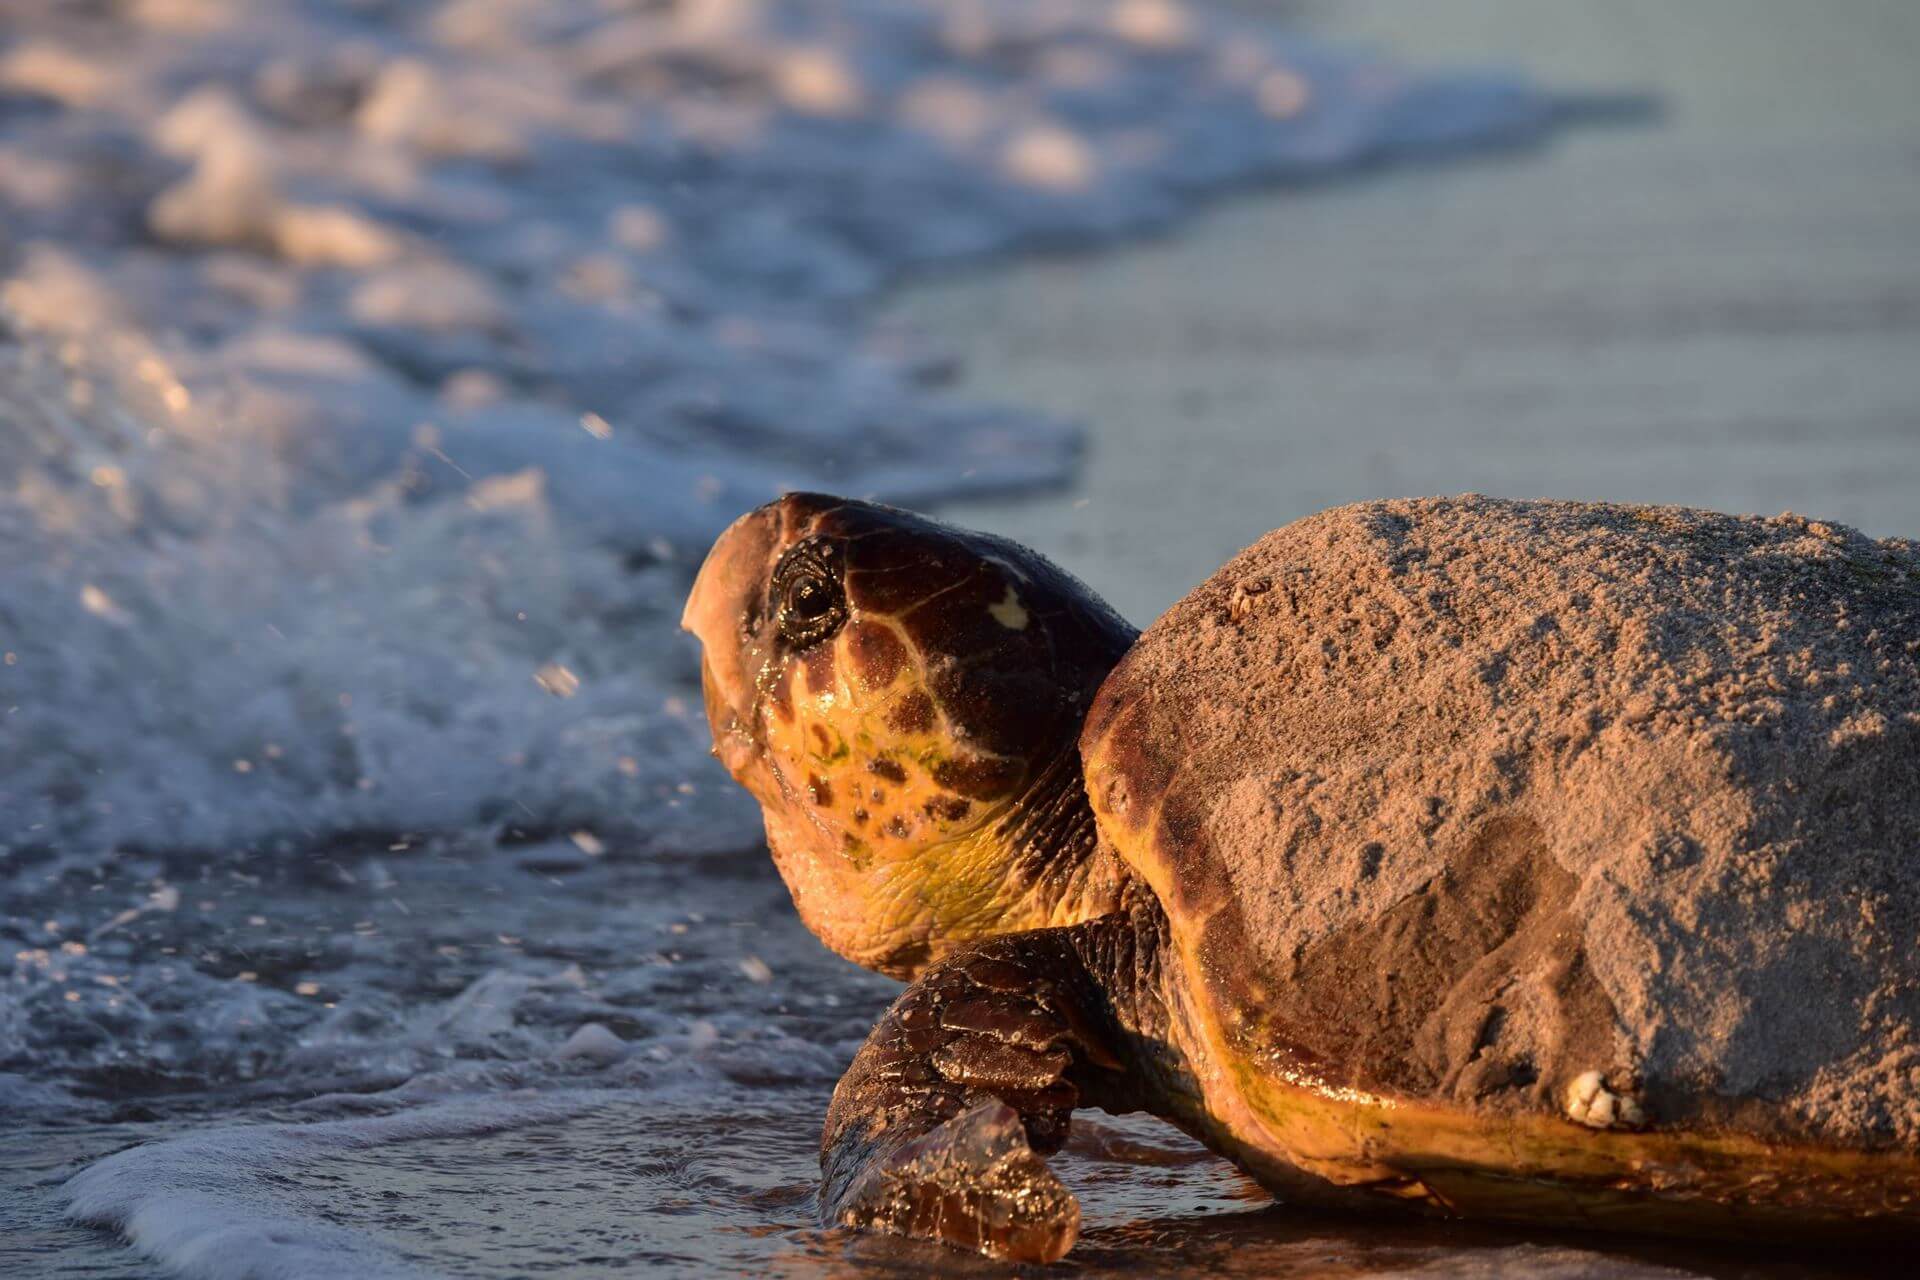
(973, 1182)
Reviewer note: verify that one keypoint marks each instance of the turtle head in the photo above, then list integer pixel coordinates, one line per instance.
(899, 696)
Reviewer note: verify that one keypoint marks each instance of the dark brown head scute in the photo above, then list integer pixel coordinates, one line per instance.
(877, 655)
(959, 618)
(978, 777)
(801, 512)
(780, 695)
(912, 714)
(947, 808)
(821, 790)
(891, 770)
(1007, 710)
(893, 568)
(820, 664)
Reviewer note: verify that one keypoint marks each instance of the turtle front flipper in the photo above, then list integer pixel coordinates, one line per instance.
(939, 1128)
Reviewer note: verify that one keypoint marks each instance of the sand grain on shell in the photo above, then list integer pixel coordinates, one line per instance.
(1502, 793)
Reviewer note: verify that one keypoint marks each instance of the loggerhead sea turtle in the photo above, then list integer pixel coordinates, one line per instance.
(1552, 862)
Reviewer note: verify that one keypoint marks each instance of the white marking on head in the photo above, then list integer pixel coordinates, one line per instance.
(1010, 613)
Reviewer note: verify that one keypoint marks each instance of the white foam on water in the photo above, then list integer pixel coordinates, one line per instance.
(228, 1204)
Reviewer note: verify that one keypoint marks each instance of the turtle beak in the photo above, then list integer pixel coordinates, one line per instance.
(720, 611)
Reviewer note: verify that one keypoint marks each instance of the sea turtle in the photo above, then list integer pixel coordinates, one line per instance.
(1552, 862)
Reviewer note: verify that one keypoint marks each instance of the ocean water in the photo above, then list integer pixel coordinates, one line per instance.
(372, 376)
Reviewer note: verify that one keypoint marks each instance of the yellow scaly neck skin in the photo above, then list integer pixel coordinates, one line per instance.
(897, 915)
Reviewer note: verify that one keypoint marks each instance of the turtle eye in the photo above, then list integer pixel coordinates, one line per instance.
(808, 602)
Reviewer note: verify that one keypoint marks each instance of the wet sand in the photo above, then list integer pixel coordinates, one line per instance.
(1720, 307)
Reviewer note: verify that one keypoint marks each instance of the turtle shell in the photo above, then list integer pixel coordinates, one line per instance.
(1597, 813)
